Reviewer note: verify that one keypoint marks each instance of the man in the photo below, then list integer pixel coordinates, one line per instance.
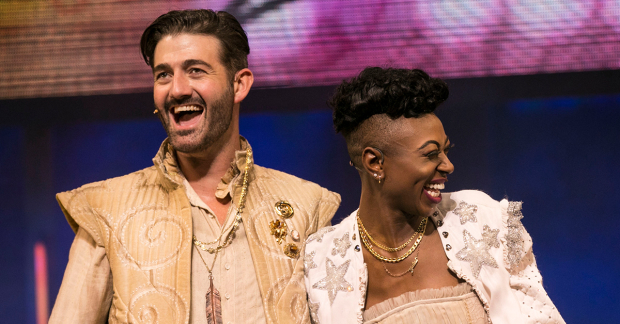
(204, 235)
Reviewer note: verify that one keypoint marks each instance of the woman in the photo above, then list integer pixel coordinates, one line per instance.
(411, 254)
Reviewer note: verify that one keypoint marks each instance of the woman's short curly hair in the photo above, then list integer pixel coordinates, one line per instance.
(391, 91)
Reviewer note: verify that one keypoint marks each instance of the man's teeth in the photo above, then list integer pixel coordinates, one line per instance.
(186, 108)
(438, 186)
(433, 193)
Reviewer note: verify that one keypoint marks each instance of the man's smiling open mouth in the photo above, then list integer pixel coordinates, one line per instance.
(186, 115)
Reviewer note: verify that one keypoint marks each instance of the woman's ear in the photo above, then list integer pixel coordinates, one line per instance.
(242, 83)
(372, 162)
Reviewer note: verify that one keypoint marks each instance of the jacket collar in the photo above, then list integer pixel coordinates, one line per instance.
(171, 176)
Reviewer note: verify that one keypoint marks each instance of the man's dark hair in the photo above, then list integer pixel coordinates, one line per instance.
(221, 25)
(391, 91)
(366, 107)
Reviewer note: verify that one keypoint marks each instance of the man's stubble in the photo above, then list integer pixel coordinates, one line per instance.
(216, 120)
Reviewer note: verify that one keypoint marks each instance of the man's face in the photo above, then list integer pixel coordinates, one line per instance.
(193, 91)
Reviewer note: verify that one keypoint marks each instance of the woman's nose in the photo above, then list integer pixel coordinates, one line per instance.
(446, 166)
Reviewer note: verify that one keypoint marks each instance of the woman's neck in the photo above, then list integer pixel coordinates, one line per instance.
(386, 224)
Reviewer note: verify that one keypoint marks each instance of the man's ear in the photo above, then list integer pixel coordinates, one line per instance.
(372, 161)
(242, 83)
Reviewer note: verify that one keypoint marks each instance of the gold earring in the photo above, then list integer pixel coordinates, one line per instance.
(156, 111)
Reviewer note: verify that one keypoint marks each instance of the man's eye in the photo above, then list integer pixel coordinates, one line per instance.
(432, 155)
(161, 75)
(195, 70)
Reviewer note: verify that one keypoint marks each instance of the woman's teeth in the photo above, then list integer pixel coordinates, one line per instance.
(433, 189)
(437, 186)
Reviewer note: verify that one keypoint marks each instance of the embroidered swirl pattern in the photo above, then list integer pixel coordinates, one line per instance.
(164, 236)
(156, 304)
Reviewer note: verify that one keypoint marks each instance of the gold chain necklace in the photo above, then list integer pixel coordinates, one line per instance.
(410, 270)
(203, 245)
(413, 264)
(213, 298)
(383, 247)
(363, 235)
(235, 225)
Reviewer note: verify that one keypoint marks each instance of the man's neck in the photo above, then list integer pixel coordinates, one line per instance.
(204, 172)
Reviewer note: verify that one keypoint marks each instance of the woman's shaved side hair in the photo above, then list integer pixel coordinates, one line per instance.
(366, 106)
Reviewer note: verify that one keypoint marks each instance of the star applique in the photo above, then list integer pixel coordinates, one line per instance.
(334, 281)
(318, 236)
(309, 262)
(476, 252)
(314, 311)
(514, 236)
(466, 212)
(490, 236)
(341, 245)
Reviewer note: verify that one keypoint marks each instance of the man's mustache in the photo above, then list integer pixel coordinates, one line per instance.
(184, 102)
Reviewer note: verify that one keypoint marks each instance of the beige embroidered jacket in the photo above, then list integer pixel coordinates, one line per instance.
(144, 222)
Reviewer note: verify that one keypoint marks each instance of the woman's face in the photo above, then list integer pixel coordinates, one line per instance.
(418, 165)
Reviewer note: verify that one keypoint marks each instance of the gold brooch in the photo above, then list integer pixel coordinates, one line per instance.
(284, 209)
(278, 229)
(291, 250)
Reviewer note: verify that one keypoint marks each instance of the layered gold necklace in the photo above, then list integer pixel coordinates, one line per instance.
(213, 304)
(369, 241)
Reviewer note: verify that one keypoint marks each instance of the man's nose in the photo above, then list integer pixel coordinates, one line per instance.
(181, 87)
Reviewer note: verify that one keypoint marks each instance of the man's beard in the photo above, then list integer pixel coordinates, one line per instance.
(218, 117)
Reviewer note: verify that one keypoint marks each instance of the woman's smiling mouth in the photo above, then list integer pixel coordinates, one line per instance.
(432, 191)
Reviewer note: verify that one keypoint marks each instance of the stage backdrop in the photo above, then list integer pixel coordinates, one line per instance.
(556, 153)
(82, 47)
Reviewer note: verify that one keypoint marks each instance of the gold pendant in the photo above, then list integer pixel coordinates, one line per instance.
(214, 304)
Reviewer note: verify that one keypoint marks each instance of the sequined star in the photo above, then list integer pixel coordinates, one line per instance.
(476, 252)
(309, 262)
(341, 245)
(514, 237)
(514, 213)
(490, 236)
(314, 311)
(334, 280)
(318, 236)
(466, 212)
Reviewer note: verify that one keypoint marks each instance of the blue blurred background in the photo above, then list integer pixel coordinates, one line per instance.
(547, 139)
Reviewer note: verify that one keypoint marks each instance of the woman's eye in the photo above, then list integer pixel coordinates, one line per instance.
(447, 149)
(432, 154)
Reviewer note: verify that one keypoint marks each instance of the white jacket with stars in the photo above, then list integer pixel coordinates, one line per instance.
(484, 241)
